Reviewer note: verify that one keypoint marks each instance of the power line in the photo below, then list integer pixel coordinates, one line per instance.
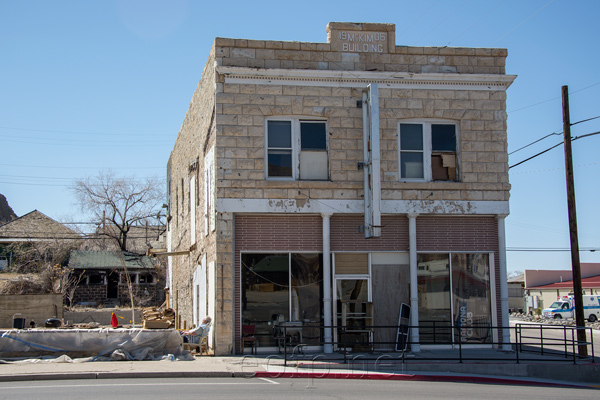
(585, 120)
(70, 179)
(540, 139)
(556, 145)
(590, 249)
(525, 20)
(536, 155)
(76, 167)
(476, 22)
(80, 132)
(554, 98)
(551, 134)
(418, 19)
(442, 21)
(38, 142)
(586, 135)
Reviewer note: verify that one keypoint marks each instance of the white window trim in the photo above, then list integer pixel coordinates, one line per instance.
(426, 123)
(192, 210)
(209, 192)
(296, 143)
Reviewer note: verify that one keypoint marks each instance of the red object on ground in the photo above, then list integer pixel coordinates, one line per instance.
(113, 321)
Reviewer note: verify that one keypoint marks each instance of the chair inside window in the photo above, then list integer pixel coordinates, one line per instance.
(248, 337)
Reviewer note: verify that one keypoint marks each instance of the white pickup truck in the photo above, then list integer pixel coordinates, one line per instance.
(565, 308)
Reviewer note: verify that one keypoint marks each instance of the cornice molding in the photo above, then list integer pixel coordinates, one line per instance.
(397, 80)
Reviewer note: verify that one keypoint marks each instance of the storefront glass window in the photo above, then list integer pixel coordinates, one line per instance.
(307, 294)
(267, 300)
(433, 280)
(471, 297)
(265, 294)
(468, 274)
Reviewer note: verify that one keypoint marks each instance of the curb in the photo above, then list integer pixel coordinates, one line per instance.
(124, 375)
(415, 377)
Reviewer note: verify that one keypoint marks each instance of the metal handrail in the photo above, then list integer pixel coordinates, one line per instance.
(524, 341)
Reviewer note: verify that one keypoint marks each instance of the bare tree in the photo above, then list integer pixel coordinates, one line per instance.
(119, 204)
(34, 256)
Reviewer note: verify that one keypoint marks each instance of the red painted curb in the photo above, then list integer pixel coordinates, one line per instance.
(407, 377)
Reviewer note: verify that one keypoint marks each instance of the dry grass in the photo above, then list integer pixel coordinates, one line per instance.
(7, 277)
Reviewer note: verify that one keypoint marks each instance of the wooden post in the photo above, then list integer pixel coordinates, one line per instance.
(177, 316)
(575, 263)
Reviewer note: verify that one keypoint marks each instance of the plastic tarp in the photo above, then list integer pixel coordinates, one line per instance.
(115, 344)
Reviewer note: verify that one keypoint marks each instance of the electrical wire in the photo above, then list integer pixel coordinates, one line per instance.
(442, 21)
(38, 142)
(554, 98)
(476, 22)
(525, 20)
(536, 155)
(556, 145)
(81, 133)
(585, 120)
(551, 134)
(540, 139)
(75, 167)
(590, 249)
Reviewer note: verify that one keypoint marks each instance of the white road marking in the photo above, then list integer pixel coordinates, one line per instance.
(112, 384)
(270, 381)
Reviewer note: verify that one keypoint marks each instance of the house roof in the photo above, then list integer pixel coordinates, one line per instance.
(85, 259)
(517, 279)
(35, 226)
(592, 282)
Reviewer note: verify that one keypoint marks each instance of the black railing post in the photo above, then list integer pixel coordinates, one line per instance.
(592, 344)
(517, 341)
(573, 340)
(542, 339)
(566, 342)
(285, 345)
(460, 345)
(345, 344)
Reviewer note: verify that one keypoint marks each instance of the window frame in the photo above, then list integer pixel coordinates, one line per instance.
(296, 146)
(452, 286)
(428, 148)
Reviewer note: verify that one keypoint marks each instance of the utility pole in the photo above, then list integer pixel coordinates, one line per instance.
(575, 264)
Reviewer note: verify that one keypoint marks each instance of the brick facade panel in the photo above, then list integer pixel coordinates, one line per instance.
(345, 234)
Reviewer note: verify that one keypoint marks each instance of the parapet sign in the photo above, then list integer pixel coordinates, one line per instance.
(361, 38)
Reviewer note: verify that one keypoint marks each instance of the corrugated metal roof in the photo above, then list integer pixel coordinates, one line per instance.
(586, 283)
(84, 259)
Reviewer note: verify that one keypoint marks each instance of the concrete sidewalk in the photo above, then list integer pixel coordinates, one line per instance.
(424, 366)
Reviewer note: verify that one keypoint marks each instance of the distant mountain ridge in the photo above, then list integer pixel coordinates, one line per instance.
(6, 213)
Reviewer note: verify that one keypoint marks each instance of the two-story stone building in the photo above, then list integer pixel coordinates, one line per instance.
(315, 181)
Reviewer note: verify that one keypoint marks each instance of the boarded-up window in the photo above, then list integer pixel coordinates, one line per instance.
(351, 263)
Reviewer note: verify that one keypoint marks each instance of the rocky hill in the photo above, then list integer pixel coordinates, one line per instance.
(6, 213)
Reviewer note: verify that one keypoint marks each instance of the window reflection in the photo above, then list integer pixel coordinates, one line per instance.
(268, 301)
(470, 310)
(471, 297)
(265, 293)
(433, 280)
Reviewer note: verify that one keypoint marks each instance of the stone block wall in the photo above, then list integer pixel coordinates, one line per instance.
(198, 134)
(231, 116)
(480, 115)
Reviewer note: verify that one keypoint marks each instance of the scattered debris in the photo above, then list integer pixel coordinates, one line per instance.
(158, 318)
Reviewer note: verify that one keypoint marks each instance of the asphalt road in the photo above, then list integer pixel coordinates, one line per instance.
(265, 389)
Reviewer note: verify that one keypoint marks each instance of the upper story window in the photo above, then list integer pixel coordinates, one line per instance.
(297, 149)
(427, 151)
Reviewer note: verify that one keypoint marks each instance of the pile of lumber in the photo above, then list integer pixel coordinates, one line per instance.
(158, 318)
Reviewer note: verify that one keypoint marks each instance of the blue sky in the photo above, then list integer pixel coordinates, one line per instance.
(87, 86)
